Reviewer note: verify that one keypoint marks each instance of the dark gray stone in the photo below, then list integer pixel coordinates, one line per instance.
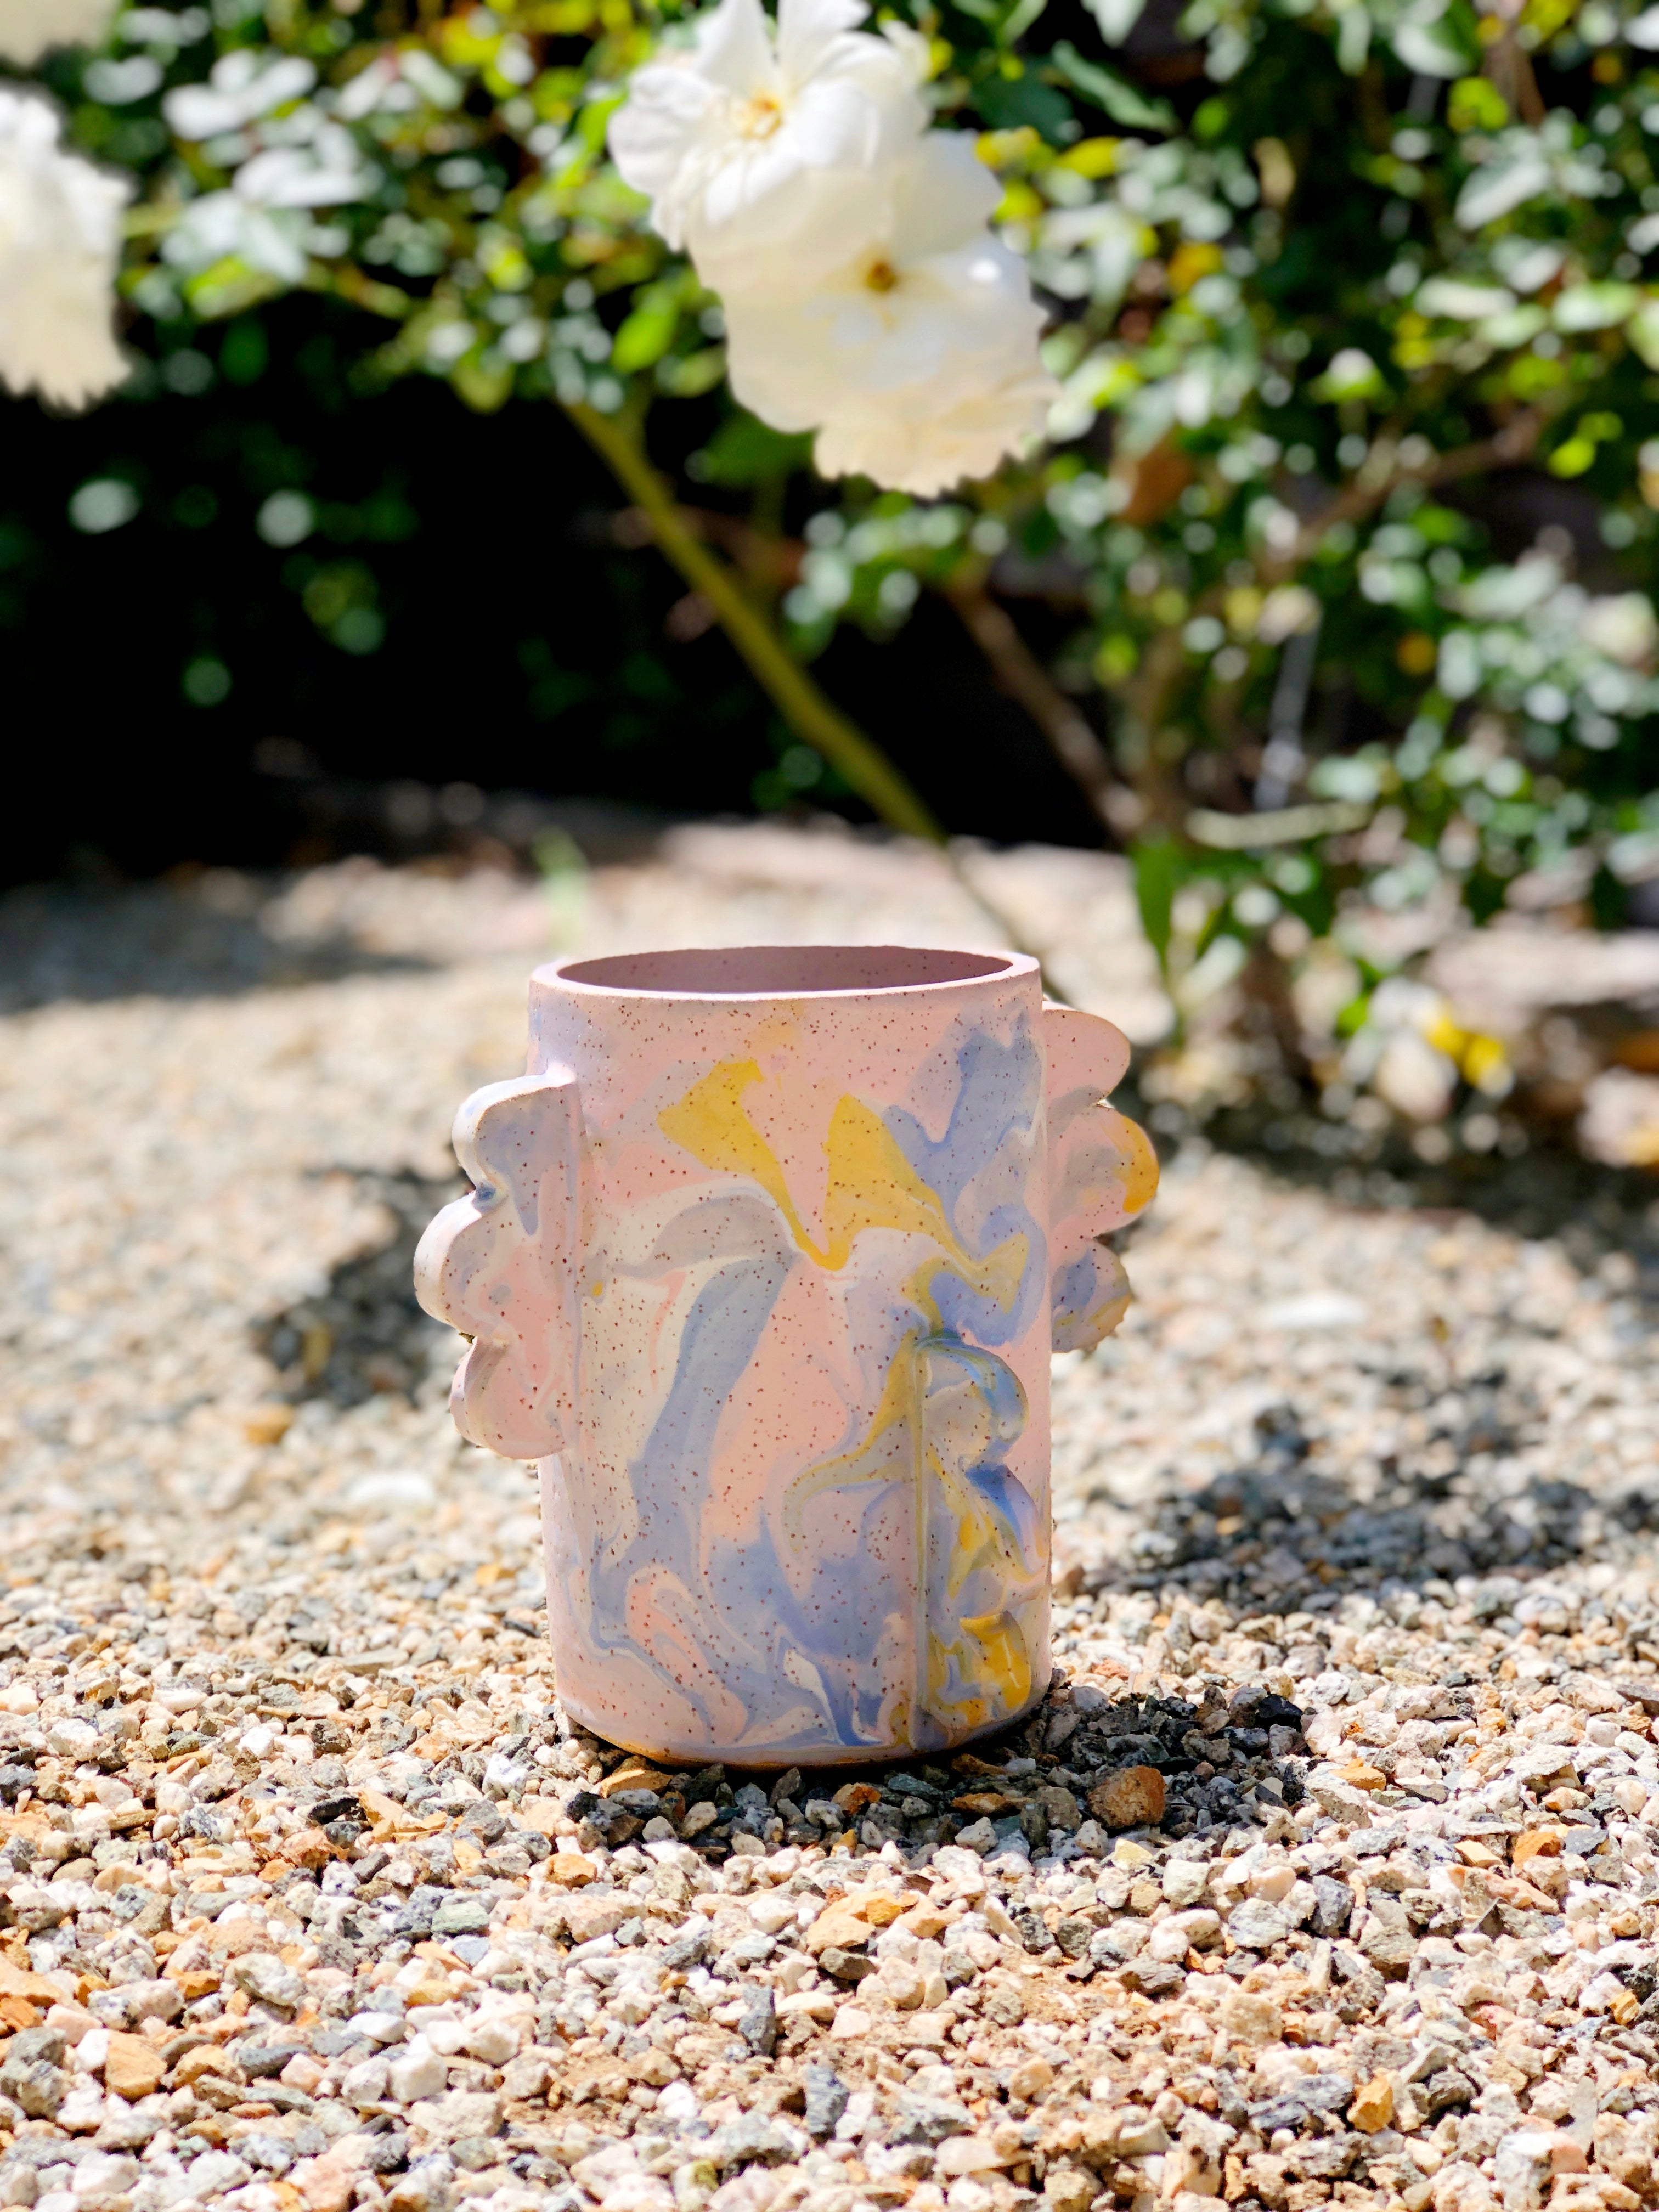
(486, 1821)
(1333, 1904)
(750, 2137)
(1445, 2089)
(32, 2042)
(826, 2100)
(686, 1951)
(845, 1966)
(930, 2119)
(1324, 2158)
(35, 2084)
(387, 2153)
(758, 2025)
(261, 2062)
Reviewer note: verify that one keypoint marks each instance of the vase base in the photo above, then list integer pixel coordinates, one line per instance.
(776, 1758)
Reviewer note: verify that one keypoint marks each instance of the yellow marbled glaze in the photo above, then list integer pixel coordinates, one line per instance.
(978, 1664)
(870, 1183)
(887, 1453)
(977, 1668)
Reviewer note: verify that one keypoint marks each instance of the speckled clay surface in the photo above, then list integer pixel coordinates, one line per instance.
(765, 1262)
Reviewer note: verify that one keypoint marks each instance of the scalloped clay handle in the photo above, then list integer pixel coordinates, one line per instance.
(502, 1264)
(1102, 1171)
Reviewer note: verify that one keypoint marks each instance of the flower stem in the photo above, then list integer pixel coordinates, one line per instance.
(855, 758)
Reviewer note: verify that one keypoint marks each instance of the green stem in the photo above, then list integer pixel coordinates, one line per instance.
(856, 759)
(860, 762)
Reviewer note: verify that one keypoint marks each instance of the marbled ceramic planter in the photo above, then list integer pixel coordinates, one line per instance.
(766, 1257)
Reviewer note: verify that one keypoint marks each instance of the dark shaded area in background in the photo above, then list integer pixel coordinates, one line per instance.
(458, 613)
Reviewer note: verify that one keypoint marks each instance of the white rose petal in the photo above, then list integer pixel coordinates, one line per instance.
(930, 453)
(59, 242)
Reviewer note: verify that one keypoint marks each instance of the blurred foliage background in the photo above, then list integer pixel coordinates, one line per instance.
(1331, 601)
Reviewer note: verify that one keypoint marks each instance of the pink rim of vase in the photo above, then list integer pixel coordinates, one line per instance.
(781, 971)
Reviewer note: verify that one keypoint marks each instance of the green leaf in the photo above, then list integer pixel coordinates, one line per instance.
(595, 119)
(485, 386)
(1112, 94)
(1116, 18)
(230, 287)
(689, 375)
(1519, 174)
(1352, 375)
(746, 451)
(1006, 104)
(245, 353)
(1596, 307)
(1157, 871)
(1353, 40)
(1021, 17)
(1572, 459)
(644, 338)
(1476, 104)
(1433, 49)
(1642, 332)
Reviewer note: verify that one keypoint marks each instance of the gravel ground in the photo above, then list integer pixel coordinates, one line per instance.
(1327, 1873)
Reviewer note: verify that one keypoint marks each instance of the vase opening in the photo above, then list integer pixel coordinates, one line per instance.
(783, 970)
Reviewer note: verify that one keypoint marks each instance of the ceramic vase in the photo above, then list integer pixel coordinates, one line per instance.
(764, 1265)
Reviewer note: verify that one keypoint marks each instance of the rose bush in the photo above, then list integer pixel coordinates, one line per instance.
(1332, 571)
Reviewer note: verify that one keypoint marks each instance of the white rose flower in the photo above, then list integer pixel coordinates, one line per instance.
(916, 360)
(60, 240)
(764, 154)
(28, 28)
